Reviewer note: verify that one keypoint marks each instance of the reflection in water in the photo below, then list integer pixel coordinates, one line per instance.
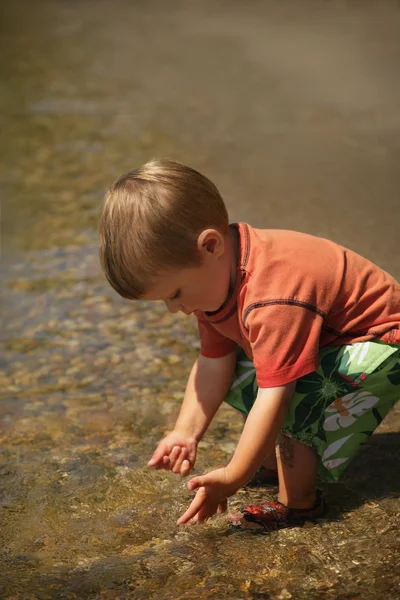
(90, 383)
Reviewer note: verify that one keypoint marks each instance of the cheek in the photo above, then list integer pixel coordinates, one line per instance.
(191, 299)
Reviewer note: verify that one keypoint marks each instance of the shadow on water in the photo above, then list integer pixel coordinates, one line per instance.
(372, 476)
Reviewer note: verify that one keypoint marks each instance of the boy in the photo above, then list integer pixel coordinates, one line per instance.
(320, 323)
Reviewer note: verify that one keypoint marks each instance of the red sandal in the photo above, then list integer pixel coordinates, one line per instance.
(269, 516)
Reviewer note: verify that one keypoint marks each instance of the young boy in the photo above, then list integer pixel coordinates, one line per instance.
(298, 333)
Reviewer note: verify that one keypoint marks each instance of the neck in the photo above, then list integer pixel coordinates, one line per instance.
(234, 257)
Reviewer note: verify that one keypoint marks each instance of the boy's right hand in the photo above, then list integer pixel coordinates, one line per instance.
(176, 453)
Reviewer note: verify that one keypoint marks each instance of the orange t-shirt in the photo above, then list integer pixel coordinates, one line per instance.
(294, 294)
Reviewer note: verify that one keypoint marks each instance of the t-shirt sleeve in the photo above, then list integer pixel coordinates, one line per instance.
(212, 343)
(284, 339)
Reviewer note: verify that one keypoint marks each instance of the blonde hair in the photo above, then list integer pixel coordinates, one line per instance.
(150, 222)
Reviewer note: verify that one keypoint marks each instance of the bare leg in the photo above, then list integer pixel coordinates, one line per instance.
(297, 471)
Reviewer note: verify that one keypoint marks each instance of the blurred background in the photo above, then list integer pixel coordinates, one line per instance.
(293, 110)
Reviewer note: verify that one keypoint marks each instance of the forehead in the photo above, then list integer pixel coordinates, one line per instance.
(163, 286)
(166, 284)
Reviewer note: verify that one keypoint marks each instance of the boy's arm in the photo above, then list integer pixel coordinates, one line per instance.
(260, 431)
(207, 386)
(256, 442)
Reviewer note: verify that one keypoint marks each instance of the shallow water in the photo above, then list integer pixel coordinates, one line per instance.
(295, 114)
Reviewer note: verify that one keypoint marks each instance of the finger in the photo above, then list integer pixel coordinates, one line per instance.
(222, 507)
(207, 511)
(163, 464)
(186, 468)
(173, 455)
(195, 483)
(160, 451)
(192, 455)
(179, 460)
(194, 507)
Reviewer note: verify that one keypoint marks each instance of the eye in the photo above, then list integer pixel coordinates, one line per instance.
(176, 295)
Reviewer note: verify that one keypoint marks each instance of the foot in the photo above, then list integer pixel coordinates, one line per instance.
(269, 516)
(263, 476)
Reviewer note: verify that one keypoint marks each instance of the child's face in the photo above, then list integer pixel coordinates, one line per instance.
(203, 288)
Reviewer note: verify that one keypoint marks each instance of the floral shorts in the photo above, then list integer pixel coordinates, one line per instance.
(337, 407)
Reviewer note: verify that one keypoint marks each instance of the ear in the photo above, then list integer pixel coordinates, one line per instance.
(211, 242)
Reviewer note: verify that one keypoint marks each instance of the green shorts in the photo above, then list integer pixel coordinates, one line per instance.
(337, 407)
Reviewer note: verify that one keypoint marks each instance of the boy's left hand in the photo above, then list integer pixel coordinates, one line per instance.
(213, 489)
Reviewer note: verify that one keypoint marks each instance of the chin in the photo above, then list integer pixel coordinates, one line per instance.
(213, 308)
